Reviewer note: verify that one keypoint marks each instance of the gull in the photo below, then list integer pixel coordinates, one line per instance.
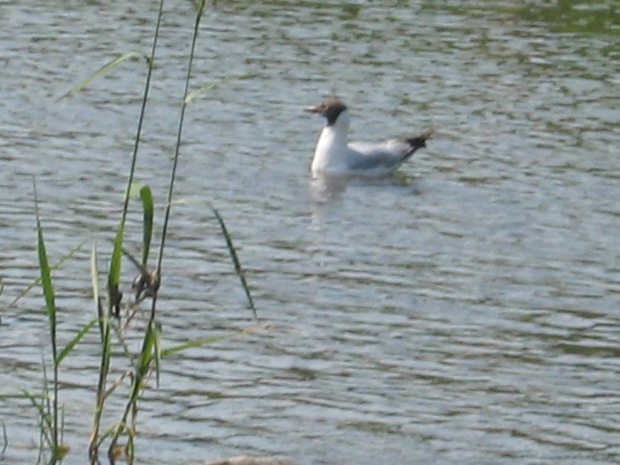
(335, 156)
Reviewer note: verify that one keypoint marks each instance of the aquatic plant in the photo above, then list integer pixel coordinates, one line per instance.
(110, 320)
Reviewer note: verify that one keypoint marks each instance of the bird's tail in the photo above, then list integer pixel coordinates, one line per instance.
(418, 142)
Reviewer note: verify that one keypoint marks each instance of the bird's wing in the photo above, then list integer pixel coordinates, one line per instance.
(386, 154)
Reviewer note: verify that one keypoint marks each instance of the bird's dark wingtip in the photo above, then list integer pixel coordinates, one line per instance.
(420, 141)
(428, 134)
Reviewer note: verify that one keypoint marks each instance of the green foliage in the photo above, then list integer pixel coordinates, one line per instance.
(235, 258)
(100, 73)
(206, 341)
(104, 364)
(58, 264)
(46, 279)
(192, 95)
(76, 339)
(114, 275)
(51, 411)
(147, 204)
(111, 332)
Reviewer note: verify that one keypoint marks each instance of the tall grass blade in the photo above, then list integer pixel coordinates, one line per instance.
(147, 354)
(156, 335)
(151, 350)
(115, 268)
(63, 450)
(235, 258)
(46, 404)
(135, 261)
(114, 275)
(78, 337)
(54, 267)
(200, 6)
(104, 364)
(94, 275)
(108, 432)
(210, 340)
(114, 292)
(18, 396)
(46, 281)
(147, 204)
(45, 421)
(145, 97)
(101, 72)
(150, 346)
(200, 9)
(207, 87)
(50, 304)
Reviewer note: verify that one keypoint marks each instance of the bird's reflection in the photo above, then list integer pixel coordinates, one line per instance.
(326, 189)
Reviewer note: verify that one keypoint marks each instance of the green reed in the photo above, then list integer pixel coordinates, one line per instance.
(151, 352)
(108, 303)
(114, 275)
(50, 307)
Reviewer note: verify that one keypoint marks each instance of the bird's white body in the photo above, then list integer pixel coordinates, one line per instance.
(334, 155)
(332, 152)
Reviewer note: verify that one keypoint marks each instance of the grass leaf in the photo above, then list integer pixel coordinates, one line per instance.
(213, 85)
(235, 259)
(200, 6)
(114, 275)
(147, 204)
(206, 341)
(101, 72)
(50, 305)
(134, 260)
(52, 268)
(94, 276)
(148, 348)
(45, 421)
(46, 278)
(78, 337)
(104, 366)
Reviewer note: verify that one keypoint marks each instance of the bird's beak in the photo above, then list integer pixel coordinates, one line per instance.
(313, 109)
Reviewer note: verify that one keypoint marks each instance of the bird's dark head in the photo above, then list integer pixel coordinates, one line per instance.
(330, 109)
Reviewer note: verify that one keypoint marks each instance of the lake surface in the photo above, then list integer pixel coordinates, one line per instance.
(465, 310)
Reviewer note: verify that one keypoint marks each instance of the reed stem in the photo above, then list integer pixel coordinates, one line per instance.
(200, 11)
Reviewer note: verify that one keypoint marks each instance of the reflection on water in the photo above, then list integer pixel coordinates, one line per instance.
(327, 188)
(463, 310)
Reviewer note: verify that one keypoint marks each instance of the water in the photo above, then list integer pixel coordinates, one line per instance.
(464, 310)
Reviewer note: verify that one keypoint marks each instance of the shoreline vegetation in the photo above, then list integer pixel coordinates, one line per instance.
(115, 312)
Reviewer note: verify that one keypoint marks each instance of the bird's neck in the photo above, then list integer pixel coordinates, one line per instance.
(335, 135)
(331, 150)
